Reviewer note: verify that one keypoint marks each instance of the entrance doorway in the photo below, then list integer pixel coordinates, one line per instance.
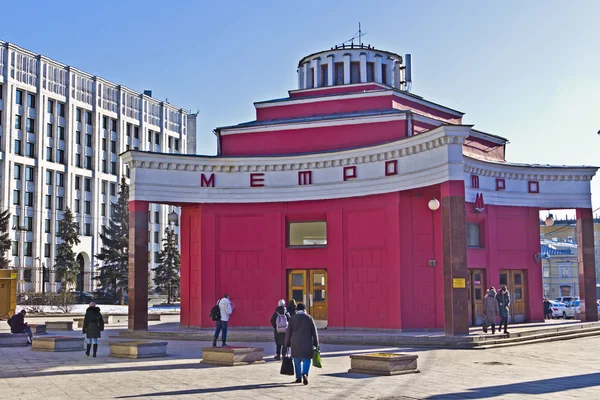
(477, 292)
(514, 280)
(309, 287)
(79, 285)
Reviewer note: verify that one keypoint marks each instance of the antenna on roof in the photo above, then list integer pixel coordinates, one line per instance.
(358, 35)
(407, 73)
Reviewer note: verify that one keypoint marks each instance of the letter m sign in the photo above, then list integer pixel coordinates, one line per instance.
(210, 182)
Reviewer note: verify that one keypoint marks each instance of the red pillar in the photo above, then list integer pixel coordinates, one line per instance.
(454, 245)
(138, 265)
(587, 264)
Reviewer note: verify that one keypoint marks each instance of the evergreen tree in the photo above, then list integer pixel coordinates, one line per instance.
(114, 273)
(4, 238)
(166, 274)
(65, 261)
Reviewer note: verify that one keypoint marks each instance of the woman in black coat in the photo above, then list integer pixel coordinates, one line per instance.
(93, 325)
(302, 337)
(280, 321)
(291, 307)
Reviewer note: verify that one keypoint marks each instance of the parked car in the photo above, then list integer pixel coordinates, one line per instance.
(82, 297)
(557, 308)
(102, 297)
(566, 299)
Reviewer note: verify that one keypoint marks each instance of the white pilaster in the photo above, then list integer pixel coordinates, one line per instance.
(363, 67)
(330, 69)
(316, 67)
(307, 77)
(346, 68)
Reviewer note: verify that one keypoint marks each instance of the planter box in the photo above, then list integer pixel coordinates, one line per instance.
(79, 322)
(57, 343)
(138, 349)
(383, 364)
(38, 329)
(13, 339)
(59, 325)
(232, 356)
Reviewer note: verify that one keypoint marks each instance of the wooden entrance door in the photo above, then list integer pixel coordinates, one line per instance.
(514, 280)
(476, 294)
(310, 287)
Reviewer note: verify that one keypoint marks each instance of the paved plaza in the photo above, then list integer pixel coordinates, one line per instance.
(557, 370)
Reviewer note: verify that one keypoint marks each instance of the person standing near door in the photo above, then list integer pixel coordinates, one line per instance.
(302, 336)
(490, 311)
(503, 303)
(226, 310)
(291, 307)
(280, 322)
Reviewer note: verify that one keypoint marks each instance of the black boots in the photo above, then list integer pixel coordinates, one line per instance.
(224, 344)
(87, 352)
(95, 349)
(494, 329)
(215, 343)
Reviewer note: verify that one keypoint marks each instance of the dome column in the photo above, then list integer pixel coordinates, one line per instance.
(307, 76)
(378, 76)
(330, 69)
(316, 67)
(363, 67)
(346, 68)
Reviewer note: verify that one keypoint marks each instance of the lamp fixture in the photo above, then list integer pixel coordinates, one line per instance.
(549, 220)
(433, 204)
(173, 217)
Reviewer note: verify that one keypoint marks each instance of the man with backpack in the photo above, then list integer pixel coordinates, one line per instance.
(280, 321)
(220, 314)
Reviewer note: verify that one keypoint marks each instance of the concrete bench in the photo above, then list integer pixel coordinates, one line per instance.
(38, 329)
(383, 364)
(79, 322)
(138, 349)
(124, 318)
(57, 343)
(13, 339)
(59, 325)
(232, 356)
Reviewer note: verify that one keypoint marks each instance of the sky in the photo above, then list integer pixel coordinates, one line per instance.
(525, 70)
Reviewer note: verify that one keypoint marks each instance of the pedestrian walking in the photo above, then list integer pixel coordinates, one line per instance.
(490, 310)
(280, 322)
(93, 325)
(503, 303)
(225, 311)
(18, 325)
(291, 307)
(302, 337)
(547, 309)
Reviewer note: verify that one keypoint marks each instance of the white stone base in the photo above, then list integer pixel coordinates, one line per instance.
(13, 339)
(59, 325)
(232, 356)
(138, 349)
(57, 343)
(392, 364)
(38, 329)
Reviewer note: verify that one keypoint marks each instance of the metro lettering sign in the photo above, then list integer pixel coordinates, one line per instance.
(305, 177)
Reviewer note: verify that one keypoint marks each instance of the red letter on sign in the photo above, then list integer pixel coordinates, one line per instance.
(207, 182)
(391, 167)
(349, 173)
(257, 180)
(304, 177)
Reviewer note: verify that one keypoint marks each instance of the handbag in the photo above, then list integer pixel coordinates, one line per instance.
(316, 360)
(287, 365)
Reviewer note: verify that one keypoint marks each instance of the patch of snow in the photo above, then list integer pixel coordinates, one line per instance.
(104, 309)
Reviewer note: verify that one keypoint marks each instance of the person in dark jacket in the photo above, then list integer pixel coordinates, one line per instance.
(503, 302)
(302, 337)
(280, 321)
(490, 311)
(291, 307)
(18, 325)
(547, 309)
(93, 325)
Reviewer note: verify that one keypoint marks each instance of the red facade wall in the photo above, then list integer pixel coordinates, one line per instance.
(242, 252)
(334, 90)
(511, 237)
(311, 140)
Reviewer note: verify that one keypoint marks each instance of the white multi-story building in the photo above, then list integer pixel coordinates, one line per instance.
(61, 133)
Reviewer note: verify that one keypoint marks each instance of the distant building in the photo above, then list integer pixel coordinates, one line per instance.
(61, 133)
(557, 239)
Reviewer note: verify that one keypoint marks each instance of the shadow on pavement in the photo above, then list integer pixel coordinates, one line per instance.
(543, 386)
(209, 390)
(349, 375)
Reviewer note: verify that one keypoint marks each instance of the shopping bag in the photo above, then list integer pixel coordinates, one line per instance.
(316, 360)
(287, 366)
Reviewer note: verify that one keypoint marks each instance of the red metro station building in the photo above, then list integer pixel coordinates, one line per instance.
(376, 207)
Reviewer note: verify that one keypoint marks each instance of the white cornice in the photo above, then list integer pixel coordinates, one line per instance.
(351, 86)
(529, 172)
(356, 120)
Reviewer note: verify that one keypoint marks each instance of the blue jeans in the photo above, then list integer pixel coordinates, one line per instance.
(27, 330)
(221, 325)
(301, 366)
(90, 341)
